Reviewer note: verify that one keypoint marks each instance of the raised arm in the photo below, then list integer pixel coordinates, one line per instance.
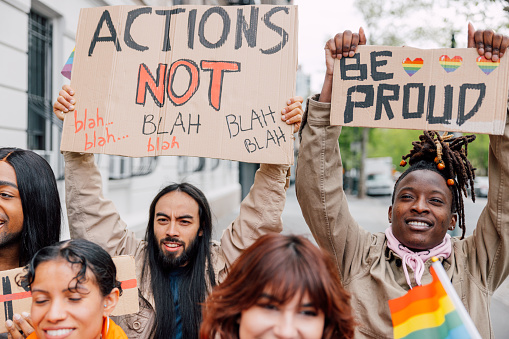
(490, 241)
(319, 177)
(260, 211)
(91, 216)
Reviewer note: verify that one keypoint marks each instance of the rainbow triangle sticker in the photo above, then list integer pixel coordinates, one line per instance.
(66, 71)
(487, 66)
(450, 65)
(411, 67)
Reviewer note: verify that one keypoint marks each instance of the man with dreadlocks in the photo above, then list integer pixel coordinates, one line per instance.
(426, 203)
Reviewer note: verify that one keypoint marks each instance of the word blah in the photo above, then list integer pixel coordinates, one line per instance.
(161, 145)
(235, 125)
(272, 138)
(151, 127)
(92, 140)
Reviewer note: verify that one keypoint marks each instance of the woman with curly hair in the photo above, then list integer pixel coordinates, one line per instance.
(74, 290)
(280, 287)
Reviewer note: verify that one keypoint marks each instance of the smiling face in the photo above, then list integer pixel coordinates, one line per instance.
(176, 227)
(422, 210)
(268, 318)
(11, 210)
(59, 311)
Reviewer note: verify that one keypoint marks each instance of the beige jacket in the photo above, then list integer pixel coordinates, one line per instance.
(369, 270)
(95, 218)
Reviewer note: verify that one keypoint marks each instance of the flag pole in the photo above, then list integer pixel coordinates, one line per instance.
(451, 292)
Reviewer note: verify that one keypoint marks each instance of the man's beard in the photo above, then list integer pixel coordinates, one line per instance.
(169, 260)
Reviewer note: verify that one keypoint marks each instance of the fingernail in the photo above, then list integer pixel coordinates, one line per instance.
(289, 102)
(283, 118)
(8, 323)
(71, 107)
(66, 110)
(72, 92)
(72, 101)
(16, 317)
(25, 314)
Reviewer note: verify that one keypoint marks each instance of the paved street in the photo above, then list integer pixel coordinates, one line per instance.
(376, 221)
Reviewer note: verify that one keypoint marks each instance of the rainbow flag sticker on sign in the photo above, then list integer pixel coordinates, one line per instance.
(487, 66)
(450, 64)
(412, 66)
(432, 311)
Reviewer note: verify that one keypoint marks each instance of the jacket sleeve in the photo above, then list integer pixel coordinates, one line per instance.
(260, 212)
(488, 249)
(319, 188)
(92, 216)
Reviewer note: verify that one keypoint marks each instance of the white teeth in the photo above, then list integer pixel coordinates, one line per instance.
(418, 223)
(172, 245)
(59, 332)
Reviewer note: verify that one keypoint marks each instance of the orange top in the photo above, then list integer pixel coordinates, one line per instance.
(113, 332)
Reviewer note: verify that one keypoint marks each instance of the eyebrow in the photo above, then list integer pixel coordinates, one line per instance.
(275, 299)
(410, 188)
(185, 216)
(8, 183)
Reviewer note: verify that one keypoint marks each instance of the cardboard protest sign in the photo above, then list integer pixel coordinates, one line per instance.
(184, 80)
(437, 89)
(16, 299)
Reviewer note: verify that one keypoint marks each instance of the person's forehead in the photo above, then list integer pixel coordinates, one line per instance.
(7, 173)
(424, 180)
(178, 202)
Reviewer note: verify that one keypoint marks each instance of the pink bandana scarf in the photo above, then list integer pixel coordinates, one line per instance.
(416, 260)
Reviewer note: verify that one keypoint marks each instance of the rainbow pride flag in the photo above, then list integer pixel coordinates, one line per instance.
(432, 311)
(66, 71)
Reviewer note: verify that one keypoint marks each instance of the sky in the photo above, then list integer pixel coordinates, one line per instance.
(320, 20)
(316, 26)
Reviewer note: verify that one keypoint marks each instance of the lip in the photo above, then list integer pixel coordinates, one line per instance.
(58, 333)
(419, 224)
(168, 246)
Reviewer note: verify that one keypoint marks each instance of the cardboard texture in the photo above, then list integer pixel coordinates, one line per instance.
(16, 299)
(436, 89)
(184, 80)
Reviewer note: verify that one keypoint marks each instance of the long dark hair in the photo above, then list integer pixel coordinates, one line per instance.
(195, 275)
(39, 199)
(288, 266)
(82, 254)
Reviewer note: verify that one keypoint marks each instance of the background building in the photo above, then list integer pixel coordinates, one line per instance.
(36, 38)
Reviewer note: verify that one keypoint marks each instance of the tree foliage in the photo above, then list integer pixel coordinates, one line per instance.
(424, 24)
(430, 23)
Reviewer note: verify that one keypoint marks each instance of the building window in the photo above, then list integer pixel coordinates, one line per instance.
(40, 114)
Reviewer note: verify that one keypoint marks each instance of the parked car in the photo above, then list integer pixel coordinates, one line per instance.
(481, 186)
(379, 184)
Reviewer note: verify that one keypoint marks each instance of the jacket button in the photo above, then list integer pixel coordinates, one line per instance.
(398, 263)
(136, 325)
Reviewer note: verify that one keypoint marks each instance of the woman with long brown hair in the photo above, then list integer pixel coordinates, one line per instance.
(280, 287)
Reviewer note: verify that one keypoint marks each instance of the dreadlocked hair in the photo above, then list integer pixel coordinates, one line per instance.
(446, 155)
